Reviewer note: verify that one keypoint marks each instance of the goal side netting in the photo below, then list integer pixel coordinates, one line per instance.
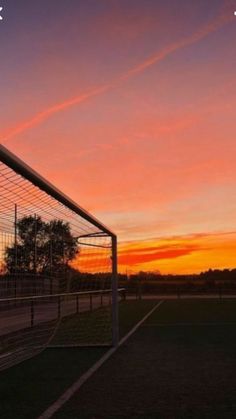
(58, 268)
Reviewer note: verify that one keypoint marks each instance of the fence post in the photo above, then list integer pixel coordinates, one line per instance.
(91, 302)
(77, 304)
(15, 245)
(50, 256)
(32, 313)
(35, 243)
(15, 237)
(220, 293)
(50, 282)
(139, 290)
(59, 307)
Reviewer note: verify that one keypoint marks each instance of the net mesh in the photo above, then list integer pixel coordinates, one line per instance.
(55, 273)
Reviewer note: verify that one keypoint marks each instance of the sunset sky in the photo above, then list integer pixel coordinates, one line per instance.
(129, 107)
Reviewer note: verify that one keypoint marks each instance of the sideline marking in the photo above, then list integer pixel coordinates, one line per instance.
(233, 323)
(49, 412)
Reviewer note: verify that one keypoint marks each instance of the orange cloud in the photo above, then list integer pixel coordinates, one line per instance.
(180, 254)
(213, 26)
(139, 257)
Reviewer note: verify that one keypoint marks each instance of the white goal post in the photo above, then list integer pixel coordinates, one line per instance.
(58, 268)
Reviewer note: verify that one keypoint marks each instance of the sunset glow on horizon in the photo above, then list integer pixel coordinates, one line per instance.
(128, 107)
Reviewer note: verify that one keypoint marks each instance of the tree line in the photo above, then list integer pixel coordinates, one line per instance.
(208, 276)
(41, 247)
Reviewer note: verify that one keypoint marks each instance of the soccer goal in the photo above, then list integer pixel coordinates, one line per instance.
(58, 268)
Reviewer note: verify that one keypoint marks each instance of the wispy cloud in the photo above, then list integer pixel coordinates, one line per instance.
(59, 107)
(202, 33)
(40, 117)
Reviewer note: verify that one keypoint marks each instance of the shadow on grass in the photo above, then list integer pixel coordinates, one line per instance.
(27, 389)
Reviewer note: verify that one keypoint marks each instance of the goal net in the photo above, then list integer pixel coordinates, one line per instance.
(58, 266)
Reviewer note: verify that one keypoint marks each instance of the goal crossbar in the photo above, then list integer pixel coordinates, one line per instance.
(28, 173)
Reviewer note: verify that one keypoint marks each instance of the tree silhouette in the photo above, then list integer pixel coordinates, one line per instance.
(42, 247)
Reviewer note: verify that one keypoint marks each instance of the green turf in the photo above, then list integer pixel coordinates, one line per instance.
(88, 328)
(196, 311)
(29, 388)
(26, 389)
(95, 327)
(180, 364)
(133, 311)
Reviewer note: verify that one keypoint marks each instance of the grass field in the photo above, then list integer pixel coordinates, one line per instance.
(29, 388)
(179, 364)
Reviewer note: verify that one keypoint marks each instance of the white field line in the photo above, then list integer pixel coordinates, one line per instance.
(184, 297)
(49, 412)
(233, 323)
